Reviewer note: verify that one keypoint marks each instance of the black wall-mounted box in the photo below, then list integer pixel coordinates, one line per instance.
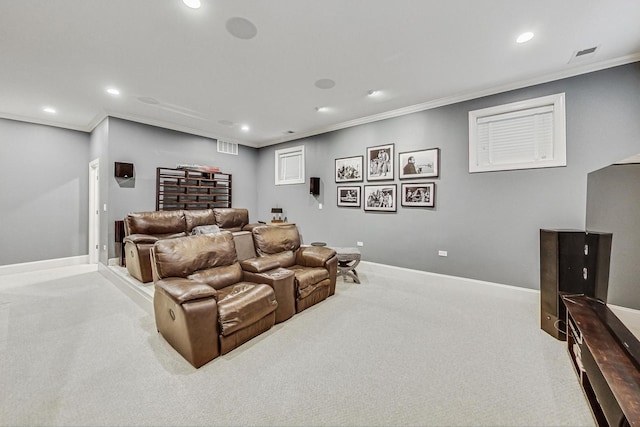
(314, 187)
(123, 170)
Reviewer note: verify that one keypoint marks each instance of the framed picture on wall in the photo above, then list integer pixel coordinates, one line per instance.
(419, 164)
(349, 196)
(380, 198)
(380, 162)
(349, 169)
(418, 194)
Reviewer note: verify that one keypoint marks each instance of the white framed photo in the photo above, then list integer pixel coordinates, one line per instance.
(419, 164)
(349, 196)
(380, 162)
(419, 194)
(380, 198)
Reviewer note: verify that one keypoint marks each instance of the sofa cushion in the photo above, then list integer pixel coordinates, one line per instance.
(232, 219)
(243, 304)
(275, 239)
(155, 223)
(219, 277)
(185, 255)
(198, 217)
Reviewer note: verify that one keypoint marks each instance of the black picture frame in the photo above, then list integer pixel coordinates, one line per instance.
(418, 194)
(380, 198)
(380, 162)
(349, 169)
(419, 164)
(349, 196)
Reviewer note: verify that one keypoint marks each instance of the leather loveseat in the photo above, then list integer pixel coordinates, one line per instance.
(315, 267)
(143, 229)
(202, 304)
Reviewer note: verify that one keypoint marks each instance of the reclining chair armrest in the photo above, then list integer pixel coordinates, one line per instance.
(182, 290)
(314, 256)
(259, 264)
(140, 238)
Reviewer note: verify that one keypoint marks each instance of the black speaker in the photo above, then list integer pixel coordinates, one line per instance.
(571, 262)
(123, 170)
(315, 186)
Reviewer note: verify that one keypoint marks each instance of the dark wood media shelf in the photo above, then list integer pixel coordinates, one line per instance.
(192, 189)
(606, 359)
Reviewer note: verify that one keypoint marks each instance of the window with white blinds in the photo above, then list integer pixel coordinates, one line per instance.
(522, 135)
(290, 166)
(227, 147)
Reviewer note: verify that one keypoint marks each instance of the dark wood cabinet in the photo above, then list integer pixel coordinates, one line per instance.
(605, 357)
(192, 189)
(571, 262)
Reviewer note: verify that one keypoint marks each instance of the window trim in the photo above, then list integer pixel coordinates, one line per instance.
(556, 102)
(285, 153)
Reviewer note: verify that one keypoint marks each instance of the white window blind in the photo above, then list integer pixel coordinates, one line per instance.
(528, 134)
(290, 166)
(227, 147)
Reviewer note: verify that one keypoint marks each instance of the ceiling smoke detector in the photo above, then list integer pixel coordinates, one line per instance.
(584, 54)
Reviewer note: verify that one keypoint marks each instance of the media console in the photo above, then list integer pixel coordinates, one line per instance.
(606, 357)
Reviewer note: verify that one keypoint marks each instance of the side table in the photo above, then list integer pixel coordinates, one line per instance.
(348, 260)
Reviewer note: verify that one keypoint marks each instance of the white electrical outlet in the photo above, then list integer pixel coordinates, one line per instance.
(104, 207)
(104, 247)
(320, 206)
(360, 244)
(442, 253)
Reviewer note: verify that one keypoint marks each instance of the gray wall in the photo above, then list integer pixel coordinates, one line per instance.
(489, 223)
(43, 192)
(613, 205)
(149, 147)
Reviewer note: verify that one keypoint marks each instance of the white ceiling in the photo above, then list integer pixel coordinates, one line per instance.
(181, 69)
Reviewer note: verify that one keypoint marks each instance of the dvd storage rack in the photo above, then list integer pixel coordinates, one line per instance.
(192, 189)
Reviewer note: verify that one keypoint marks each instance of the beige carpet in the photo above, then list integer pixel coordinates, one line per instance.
(404, 349)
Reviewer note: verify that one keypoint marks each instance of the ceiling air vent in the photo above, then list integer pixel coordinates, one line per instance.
(227, 147)
(583, 54)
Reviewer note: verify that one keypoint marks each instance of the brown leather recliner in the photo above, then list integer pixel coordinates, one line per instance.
(202, 305)
(315, 267)
(143, 229)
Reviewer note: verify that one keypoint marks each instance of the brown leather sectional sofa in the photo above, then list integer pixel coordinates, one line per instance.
(208, 301)
(203, 305)
(143, 229)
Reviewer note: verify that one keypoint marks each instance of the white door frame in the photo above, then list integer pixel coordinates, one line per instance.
(94, 211)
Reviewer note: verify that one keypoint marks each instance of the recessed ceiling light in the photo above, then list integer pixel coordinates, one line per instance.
(322, 109)
(524, 37)
(193, 4)
(245, 128)
(325, 83)
(113, 91)
(374, 92)
(49, 110)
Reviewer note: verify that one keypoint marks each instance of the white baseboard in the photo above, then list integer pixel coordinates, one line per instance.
(46, 264)
(385, 269)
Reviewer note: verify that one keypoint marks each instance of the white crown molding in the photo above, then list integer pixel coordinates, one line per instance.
(575, 71)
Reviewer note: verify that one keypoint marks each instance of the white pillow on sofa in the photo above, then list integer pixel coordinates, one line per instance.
(205, 229)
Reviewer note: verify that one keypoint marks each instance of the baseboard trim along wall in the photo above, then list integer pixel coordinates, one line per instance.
(46, 264)
(384, 269)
